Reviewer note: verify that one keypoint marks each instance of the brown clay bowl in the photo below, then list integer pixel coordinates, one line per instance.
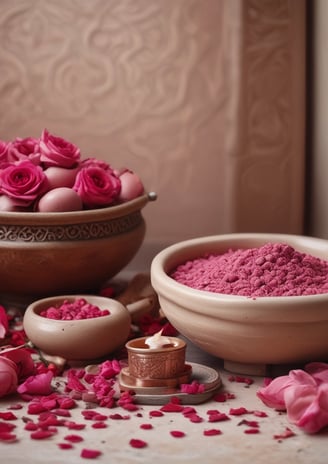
(78, 340)
(246, 333)
(46, 254)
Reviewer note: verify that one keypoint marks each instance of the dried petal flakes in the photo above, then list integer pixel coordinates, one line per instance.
(90, 453)
(7, 416)
(223, 397)
(74, 426)
(137, 443)
(238, 411)
(6, 427)
(73, 438)
(212, 432)
(286, 434)
(65, 446)
(177, 433)
(172, 406)
(146, 426)
(99, 425)
(8, 437)
(156, 413)
(42, 434)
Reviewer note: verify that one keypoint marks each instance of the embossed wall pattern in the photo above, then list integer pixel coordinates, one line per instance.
(203, 98)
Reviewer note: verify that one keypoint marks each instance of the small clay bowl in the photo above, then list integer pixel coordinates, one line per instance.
(78, 340)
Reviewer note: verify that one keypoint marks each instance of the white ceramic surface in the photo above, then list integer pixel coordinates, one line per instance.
(241, 330)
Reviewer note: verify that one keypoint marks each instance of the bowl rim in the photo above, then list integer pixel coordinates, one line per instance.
(85, 215)
(162, 263)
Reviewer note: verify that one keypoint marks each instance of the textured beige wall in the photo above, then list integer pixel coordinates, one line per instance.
(203, 98)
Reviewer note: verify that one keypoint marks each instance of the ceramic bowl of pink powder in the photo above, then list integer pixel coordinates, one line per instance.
(77, 327)
(251, 299)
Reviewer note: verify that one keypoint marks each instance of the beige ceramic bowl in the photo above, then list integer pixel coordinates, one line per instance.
(45, 254)
(246, 333)
(78, 340)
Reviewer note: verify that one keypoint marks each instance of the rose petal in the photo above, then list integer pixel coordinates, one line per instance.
(212, 432)
(39, 384)
(307, 407)
(90, 453)
(137, 443)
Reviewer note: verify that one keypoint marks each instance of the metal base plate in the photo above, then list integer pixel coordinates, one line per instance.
(204, 375)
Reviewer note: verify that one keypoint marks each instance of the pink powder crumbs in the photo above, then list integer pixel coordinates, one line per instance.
(73, 310)
(274, 269)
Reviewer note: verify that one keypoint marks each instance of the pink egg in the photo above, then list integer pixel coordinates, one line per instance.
(7, 204)
(60, 177)
(131, 186)
(59, 200)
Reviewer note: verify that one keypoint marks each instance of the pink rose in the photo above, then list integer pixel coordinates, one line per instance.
(8, 376)
(55, 151)
(97, 187)
(95, 162)
(23, 182)
(39, 384)
(4, 325)
(22, 149)
(303, 394)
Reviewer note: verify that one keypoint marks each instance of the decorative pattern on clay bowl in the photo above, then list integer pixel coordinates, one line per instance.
(45, 254)
(247, 333)
(78, 340)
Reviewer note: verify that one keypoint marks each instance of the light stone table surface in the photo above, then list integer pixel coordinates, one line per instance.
(232, 446)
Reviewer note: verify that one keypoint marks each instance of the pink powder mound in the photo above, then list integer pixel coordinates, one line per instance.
(74, 310)
(274, 269)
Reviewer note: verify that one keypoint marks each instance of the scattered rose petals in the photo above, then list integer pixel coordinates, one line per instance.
(218, 417)
(39, 384)
(73, 438)
(177, 433)
(156, 413)
(8, 437)
(6, 427)
(65, 446)
(238, 411)
(146, 426)
(240, 379)
(260, 414)
(99, 425)
(173, 406)
(74, 426)
(192, 388)
(286, 434)
(252, 431)
(212, 432)
(118, 417)
(195, 418)
(42, 434)
(137, 443)
(223, 397)
(249, 423)
(7, 416)
(90, 453)
(31, 426)
(15, 407)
